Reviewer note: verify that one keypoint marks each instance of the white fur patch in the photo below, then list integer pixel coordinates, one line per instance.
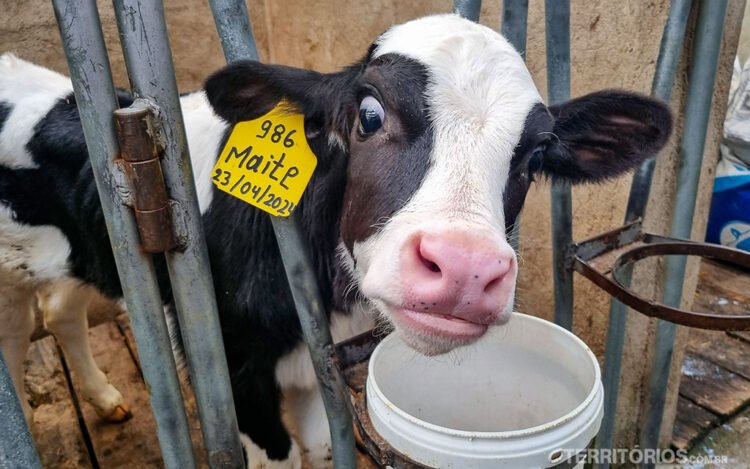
(479, 94)
(204, 133)
(258, 459)
(30, 253)
(31, 91)
(306, 409)
(295, 369)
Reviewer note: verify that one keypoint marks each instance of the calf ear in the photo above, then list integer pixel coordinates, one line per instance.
(247, 90)
(604, 134)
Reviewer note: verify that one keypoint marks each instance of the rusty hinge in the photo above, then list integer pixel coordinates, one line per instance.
(140, 161)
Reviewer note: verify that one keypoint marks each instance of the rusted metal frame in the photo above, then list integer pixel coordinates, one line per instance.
(238, 42)
(670, 51)
(595, 246)
(139, 158)
(17, 448)
(701, 79)
(148, 58)
(650, 245)
(557, 23)
(674, 315)
(86, 55)
(631, 245)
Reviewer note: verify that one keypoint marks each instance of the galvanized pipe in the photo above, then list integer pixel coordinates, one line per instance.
(666, 70)
(235, 30)
(83, 42)
(239, 44)
(17, 448)
(143, 34)
(515, 14)
(469, 9)
(557, 15)
(708, 34)
(317, 334)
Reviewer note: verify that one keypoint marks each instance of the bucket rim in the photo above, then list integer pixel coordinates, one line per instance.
(596, 387)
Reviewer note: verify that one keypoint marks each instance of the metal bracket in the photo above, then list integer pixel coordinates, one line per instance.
(605, 258)
(139, 161)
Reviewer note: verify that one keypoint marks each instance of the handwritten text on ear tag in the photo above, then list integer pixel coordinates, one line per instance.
(267, 162)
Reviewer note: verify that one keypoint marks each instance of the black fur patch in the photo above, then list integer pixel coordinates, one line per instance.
(5, 109)
(387, 168)
(604, 134)
(536, 130)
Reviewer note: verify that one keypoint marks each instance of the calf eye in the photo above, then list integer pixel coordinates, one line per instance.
(371, 115)
(535, 162)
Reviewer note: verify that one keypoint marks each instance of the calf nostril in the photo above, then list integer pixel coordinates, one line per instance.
(427, 262)
(431, 265)
(491, 286)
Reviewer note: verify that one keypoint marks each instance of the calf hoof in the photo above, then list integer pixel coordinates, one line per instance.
(320, 457)
(119, 414)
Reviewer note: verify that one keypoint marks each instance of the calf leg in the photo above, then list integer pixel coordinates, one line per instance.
(305, 407)
(266, 442)
(17, 319)
(63, 304)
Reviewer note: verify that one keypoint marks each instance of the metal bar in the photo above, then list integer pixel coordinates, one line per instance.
(557, 15)
(708, 34)
(469, 9)
(239, 44)
(666, 70)
(515, 14)
(83, 42)
(143, 33)
(235, 30)
(17, 448)
(317, 334)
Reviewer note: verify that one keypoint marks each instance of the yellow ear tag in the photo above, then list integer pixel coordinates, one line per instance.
(267, 161)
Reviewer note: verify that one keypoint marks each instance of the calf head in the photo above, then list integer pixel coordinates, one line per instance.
(442, 131)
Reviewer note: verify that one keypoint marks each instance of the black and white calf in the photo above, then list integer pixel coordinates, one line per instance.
(426, 149)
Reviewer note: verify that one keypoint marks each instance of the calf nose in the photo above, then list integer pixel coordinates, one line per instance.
(458, 273)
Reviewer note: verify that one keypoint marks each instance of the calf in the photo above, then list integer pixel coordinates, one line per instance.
(426, 149)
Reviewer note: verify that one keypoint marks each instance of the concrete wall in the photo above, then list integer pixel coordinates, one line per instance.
(615, 45)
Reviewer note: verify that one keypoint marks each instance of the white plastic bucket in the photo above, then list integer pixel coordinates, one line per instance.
(527, 395)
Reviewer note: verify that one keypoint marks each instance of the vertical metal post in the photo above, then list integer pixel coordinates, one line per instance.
(708, 34)
(317, 334)
(239, 44)
(145, 44)
(83, 42)
(557, 13)
(666, 70)
(235, 30)
(17, 450)
(515, 14)
(469, 9)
